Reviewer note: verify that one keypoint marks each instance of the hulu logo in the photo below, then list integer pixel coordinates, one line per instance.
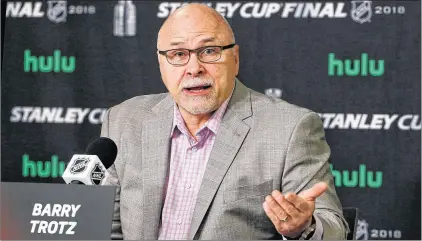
(355, 67)
(360, 178)
(56, 63)
(52, 168)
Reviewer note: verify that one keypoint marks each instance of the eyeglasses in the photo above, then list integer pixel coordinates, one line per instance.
(206, 54)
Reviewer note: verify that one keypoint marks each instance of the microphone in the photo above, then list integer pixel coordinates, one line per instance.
(91, 168)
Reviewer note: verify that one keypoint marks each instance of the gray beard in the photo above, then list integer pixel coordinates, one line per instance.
(208, 104)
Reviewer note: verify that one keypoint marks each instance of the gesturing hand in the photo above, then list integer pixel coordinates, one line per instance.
(291, 214)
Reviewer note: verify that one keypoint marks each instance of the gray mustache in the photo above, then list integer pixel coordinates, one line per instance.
(195, 82)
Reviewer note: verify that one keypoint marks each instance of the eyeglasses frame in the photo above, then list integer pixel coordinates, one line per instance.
(164, 53)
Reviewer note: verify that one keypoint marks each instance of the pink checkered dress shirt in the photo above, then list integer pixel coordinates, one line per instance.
(189, 158)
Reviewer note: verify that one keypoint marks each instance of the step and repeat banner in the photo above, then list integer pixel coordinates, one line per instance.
(356, 63)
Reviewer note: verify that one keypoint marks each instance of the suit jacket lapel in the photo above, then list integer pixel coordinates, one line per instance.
(229, 138)
(155, 158)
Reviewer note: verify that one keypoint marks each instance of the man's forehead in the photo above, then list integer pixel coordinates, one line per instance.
(195, 28)
(178, 39)
(197, 38)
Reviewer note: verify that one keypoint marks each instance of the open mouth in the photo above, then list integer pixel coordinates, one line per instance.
(198, 88)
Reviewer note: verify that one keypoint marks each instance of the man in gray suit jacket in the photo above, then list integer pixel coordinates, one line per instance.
(213, 159)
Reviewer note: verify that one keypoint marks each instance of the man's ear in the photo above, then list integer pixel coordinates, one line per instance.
(236, 58)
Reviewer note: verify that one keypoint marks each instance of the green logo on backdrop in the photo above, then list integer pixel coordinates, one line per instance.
(45, 64)
(357, 178)
(33, 168)
(356, 67)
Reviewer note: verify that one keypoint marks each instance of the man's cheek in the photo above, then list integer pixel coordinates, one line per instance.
(172, 86)
(215, 72)
(176, 73)
(174, 80)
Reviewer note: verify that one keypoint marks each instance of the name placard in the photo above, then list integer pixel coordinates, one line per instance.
(56, 211)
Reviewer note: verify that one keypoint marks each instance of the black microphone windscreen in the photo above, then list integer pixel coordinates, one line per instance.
(105, 149)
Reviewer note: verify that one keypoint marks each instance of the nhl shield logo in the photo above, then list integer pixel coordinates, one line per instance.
(79, 165)
(57, 11)
(97, 174)
(362, 230)
(361, 11)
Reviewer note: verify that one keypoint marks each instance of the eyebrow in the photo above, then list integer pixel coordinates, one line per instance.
(206, 40)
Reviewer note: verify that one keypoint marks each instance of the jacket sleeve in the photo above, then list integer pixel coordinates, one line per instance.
(306, 164)
(113, 180)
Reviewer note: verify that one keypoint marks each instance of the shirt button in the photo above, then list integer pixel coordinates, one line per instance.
(179, 221)
(194, 149)
(188, 186)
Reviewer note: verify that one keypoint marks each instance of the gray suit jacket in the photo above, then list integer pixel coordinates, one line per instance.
(262, 144)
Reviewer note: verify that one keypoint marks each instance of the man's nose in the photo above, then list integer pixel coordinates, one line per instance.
(194, 66)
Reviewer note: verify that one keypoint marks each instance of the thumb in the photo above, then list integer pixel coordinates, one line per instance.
(312, 193)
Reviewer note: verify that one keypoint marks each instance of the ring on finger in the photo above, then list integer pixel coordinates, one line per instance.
(284, 219)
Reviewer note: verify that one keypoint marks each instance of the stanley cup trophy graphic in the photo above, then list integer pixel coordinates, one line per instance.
(274, 92)
(124, 23)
